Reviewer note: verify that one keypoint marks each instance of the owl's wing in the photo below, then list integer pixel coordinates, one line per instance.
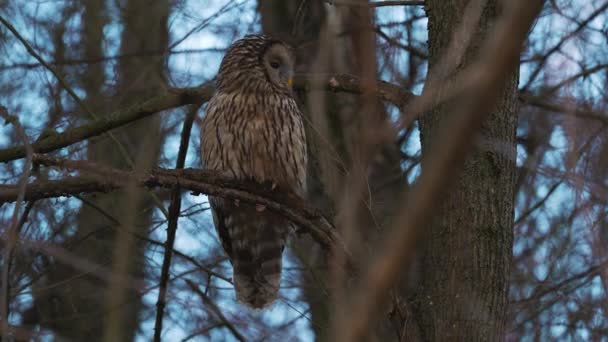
(220, 215)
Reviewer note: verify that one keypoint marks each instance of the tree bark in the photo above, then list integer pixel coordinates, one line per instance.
(466, 256)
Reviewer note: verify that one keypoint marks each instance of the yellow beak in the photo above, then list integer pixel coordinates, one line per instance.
(290, 81)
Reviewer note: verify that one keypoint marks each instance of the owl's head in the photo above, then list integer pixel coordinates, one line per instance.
(257, 63)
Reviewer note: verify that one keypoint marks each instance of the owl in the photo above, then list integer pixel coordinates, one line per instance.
(253, 131)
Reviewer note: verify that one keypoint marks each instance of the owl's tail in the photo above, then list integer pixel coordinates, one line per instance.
(257, 253)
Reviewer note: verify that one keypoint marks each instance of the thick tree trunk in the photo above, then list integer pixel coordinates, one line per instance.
(467, 252)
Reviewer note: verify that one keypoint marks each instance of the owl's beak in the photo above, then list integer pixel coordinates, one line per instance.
(286, 75)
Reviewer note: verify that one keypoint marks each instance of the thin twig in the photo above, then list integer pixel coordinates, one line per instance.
(153, 242)
(64, 256)
(581, 26)
(174, 209)
(8, 262)
(538, 204)
(49, 67)
(226, 8)
(64, 84)
(168, 100)
(11, 235)
(103, 59)
(376, 4)
(216, 311)
(542, 291)
(559, 108)
(121, 149)
(392, 41)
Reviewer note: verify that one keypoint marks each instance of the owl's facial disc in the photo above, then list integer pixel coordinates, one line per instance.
(278, 63)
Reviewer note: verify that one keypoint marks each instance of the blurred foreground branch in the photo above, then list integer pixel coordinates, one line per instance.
(483, 83)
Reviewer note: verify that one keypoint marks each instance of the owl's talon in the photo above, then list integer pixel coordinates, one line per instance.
(259, 207)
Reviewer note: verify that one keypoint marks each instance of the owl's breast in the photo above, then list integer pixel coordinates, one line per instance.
(276, 141)
(259, 138)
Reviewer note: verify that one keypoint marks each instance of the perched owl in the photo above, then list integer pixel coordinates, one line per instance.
(253, 130)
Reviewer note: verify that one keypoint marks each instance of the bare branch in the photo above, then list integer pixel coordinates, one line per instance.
(216, 311)
(174, 209)
(11, 235)
(580, 27)
(64, 84)
(33, 53)
(103, 179)
(412, 50)
(376, 4)
(179, 97)
(345, 83)
(108, 58)
(172, 99)
(559, 108)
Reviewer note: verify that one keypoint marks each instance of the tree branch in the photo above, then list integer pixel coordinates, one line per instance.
(65, 85)
(376, 4)
(11, 235)
(172, 99)
(216, 311)
(97, 178)
(174, 209)
(345, 83)
(561, 108)
(179, 97)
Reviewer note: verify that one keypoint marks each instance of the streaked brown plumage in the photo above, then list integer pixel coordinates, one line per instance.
(253, 130)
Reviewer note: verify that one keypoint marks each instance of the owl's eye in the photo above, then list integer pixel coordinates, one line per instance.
(274, 65)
